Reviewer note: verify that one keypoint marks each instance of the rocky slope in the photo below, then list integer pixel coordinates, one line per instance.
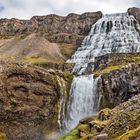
(29, 48)
(34, 49)
(120, 77)
(28, 101)
(70, 29)
(135, 12)
(120, 85)
(120, 123)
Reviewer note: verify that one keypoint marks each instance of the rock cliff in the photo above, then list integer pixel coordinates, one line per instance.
(28, 101)
(135, 12)
(70, 29)
(120, 85)
(120, 77)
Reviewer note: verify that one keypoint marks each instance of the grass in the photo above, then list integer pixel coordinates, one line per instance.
(130, 135)
(116, 62)
(35, 61)
(107, 70)
(73, 135)
(6, 36)
(23, 36)
(67, 49)
(40, 61)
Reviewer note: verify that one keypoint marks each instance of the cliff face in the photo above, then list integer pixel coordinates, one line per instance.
(120, 77)
(70, 29)
(28, 101)
(120, 85)
(135, 12)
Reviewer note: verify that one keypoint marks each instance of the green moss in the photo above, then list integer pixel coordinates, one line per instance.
(83, 128)
(68, 78)
(132, 134)
(117, 61)
(104, 114)
(73, 135)
(106, 70)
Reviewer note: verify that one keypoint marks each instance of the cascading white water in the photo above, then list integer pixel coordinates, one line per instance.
(82, 100)
(115, 33)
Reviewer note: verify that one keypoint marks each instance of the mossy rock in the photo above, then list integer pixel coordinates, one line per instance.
(115, 62)
(104, 114)
(120, 123)
(130, 135)
(72, 135)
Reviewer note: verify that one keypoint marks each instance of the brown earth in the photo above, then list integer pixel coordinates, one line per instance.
(28, 101)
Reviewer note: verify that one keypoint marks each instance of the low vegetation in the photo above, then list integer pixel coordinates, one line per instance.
(120, 123)
(117, 61)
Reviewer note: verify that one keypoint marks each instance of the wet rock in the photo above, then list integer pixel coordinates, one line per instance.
(120, 85)
(135, 12)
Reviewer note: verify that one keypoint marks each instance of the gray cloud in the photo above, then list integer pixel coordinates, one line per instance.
(28, 8)
(1, 8)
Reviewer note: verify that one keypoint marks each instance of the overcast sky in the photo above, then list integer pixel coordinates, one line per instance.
(25, 9)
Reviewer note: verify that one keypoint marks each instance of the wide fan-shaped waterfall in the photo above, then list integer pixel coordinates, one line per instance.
(115, 33)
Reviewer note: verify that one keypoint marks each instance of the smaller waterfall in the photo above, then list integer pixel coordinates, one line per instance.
(82, 101)
(62, 101)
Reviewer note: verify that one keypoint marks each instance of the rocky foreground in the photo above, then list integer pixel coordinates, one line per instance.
(120, 123)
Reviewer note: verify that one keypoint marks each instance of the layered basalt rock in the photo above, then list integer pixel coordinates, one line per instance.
(120, 85)
(69, 29)
(120, 77)
(135, 12)
(28, 101)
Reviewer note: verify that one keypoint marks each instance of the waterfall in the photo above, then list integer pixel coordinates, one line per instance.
(62, 101)
(82, 100)
(114, 33)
